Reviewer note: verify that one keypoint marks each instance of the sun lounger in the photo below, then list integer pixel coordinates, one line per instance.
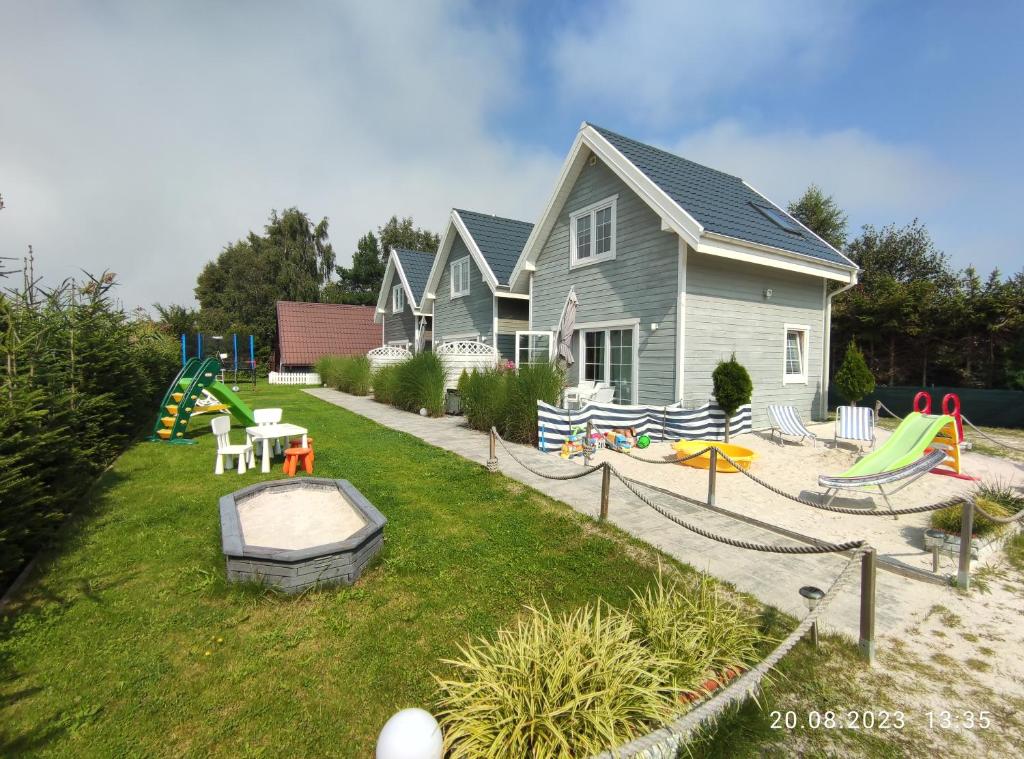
(855, 423)
(785, 420)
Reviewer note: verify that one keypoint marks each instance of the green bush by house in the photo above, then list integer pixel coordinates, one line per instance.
(853, 379)
(507, 399)
(350, 374)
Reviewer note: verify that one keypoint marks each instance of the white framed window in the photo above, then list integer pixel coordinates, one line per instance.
(794, 353)
(460, 277)
(609, 356)
(534, 347)
(397, 299)
(592, 233)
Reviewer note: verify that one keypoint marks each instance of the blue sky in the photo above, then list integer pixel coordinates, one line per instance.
(142, 138)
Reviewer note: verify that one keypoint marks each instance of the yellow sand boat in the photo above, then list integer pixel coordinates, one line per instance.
(739, 454)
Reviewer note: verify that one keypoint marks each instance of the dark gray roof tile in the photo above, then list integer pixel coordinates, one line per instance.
(720, 202)
(416, 265)
(500, 240)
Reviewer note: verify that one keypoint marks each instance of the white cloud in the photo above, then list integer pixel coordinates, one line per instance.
(142, 139)
(876, 182)
(667, 58)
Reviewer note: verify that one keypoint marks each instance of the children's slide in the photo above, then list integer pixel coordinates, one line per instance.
(903, 458)
(906, 445)
(180, 402)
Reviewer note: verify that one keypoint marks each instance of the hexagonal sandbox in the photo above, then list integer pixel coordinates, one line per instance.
(296, 533)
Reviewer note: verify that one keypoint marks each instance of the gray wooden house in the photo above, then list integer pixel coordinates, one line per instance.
(468, 293)
(675, 266)
(399, 303)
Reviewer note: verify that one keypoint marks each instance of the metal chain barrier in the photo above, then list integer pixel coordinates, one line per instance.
(666, 742)
(587, 470)
(839, 509)
(824, 547)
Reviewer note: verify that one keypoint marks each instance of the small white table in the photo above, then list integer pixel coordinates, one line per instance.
(265, 433)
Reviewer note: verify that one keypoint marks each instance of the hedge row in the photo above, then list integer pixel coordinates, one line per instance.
(78, 381)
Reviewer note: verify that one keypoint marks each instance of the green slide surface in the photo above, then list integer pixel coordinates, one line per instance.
(236, 405)
(905, 446)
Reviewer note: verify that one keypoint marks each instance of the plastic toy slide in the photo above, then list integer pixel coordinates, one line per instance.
(180, 402)
(908, 443)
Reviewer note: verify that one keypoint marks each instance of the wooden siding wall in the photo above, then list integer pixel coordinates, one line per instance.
(398, 326)
(726, 311)
(473, 313)
(641, 283)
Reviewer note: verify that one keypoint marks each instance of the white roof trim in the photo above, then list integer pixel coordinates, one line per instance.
(456, 226)
(394, 265)
(674, 218)
(673, 215)
(742, 250)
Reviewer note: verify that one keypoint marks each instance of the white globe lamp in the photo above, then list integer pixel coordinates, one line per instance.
(410, 734)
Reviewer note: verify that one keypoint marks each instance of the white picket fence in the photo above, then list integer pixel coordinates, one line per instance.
(387, 355)
(465, 354)
(295, 378)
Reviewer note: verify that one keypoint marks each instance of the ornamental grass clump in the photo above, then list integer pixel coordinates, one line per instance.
(530, 383)
(708, 635)
(350, 374)
(384, 380)
(484, 397)
(420, 383)
(556, 686)
(999, 499)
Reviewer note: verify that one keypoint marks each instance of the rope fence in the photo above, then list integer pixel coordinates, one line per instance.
(824, 547)
(666, 742)
(879, 406)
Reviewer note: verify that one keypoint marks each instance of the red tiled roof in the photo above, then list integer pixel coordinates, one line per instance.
(308, 331)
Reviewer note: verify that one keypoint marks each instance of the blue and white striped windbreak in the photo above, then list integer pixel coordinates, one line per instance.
(659, 422)
(855, 423)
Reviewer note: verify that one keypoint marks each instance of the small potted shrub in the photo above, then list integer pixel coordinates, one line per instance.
(733, 388)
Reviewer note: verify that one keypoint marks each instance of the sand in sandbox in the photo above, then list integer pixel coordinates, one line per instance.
(300, 518)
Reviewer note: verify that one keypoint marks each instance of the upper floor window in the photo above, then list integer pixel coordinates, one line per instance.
(795, 354)
(397, 299)
(460, 277)
(592, 233)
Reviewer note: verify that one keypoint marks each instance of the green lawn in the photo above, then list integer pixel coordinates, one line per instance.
(128, 642)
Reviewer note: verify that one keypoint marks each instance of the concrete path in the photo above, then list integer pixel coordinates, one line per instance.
(775, 579)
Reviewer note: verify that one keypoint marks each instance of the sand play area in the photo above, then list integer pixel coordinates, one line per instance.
(794, 467)
(298, 518)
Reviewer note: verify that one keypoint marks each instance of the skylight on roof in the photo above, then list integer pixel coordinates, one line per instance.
(780, 219)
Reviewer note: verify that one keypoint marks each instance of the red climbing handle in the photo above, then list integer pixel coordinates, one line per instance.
(923, 402)
(951, 407)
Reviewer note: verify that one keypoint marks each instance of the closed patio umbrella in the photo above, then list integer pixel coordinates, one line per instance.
(567, 327)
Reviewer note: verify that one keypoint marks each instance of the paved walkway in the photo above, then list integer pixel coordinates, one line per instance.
(775, 579)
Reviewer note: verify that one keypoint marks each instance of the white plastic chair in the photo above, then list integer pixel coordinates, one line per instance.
(603, 394)
(265, 416)
(221, 426)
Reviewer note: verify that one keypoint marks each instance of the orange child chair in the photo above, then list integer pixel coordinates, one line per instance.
(295, 454)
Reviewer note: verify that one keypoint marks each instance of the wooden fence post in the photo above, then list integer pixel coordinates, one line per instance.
(606, 483)
(963, 574)
(867, 606)
(712, 476)
(492, 458)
